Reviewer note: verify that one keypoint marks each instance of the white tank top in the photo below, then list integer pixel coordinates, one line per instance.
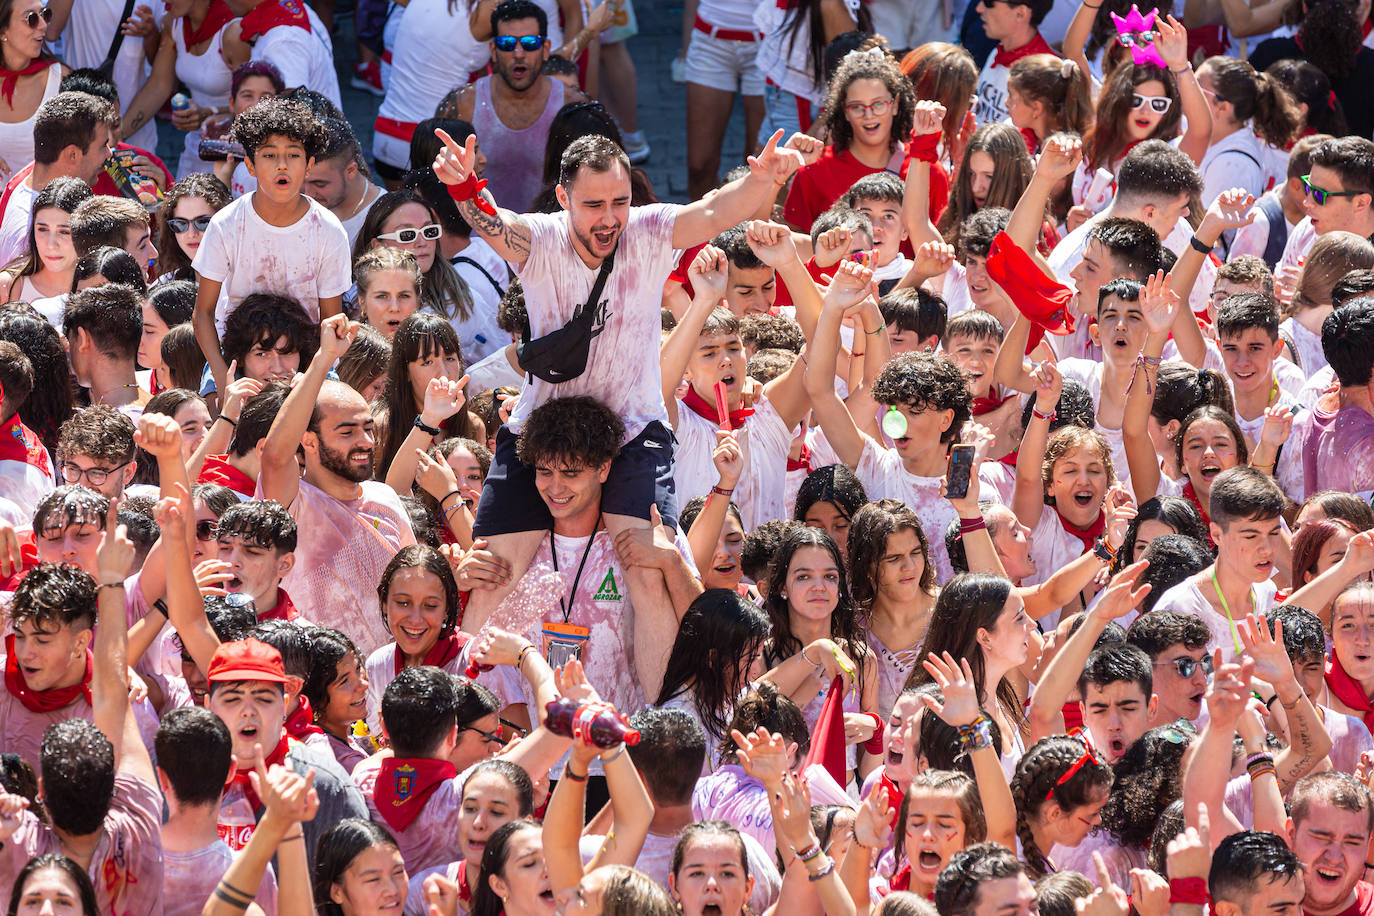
(16, 140)
(434, 52)
(206, 75)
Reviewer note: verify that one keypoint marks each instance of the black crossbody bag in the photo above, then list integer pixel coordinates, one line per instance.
(561, 355)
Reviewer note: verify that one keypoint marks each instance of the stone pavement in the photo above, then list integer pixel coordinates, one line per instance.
(661, 101)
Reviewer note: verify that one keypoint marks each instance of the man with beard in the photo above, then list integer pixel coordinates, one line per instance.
(596, 248)
(354, 525)
(1329, 824)
(512, 110)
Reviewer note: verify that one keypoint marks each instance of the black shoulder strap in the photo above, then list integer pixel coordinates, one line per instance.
(587, 308)
(107, 66)
(456, 259)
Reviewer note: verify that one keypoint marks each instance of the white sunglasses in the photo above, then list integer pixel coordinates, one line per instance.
(407, 235)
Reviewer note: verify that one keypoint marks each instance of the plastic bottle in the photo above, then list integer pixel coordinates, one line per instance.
(220, 150)
(603, 726)
(180, 102)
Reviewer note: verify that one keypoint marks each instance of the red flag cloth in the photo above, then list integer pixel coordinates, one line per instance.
(41, 701)
(1038, 296)
(827, 740)
(404, 786)
(267, 16)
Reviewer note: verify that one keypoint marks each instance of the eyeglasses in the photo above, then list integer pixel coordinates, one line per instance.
(1319, 195)
(1158, 103)
(32, 16)
(491, 737)
(1186, 666)
(407, 235)
(1136, 39)
(207, 530)
(1087, 757)
(180, 225)
(507, 43)
(877, 109)
(94, 476)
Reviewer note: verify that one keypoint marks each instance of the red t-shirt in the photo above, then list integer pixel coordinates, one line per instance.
(1364, 901)
(106, 185)
(821, 183)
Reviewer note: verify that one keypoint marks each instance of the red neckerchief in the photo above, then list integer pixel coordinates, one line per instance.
(1348, 690)
(284, 609)
(901, 880)
(987, 404)
(240, 777)
(301, 723)
(404, 786)
(894, 793)
(1036, 45)
(267, 16)
(216, 17)
(1088, 535)
(41, 701)
(443, 651)
(464, 891)
(19, 443)
(803, 460)
(1191, 495)
(707, 409)
(10, 78)
(217, 469)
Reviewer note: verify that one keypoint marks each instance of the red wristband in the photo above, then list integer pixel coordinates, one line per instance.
(874, 745)
(1189, 891)
(924, 148)
(471, 190)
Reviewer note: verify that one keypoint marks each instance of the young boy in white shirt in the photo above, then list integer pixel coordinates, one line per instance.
(274, 240)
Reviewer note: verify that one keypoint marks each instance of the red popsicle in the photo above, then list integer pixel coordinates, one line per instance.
(722, 411)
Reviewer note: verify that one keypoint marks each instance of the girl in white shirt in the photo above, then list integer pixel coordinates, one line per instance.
(1249, 112)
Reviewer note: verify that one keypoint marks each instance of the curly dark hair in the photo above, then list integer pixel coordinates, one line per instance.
(1146, 781)
(1037, 782)
(1330, 37)
(867, 67)
(578, 431)
(262, 522)
(77, 767)
(279, 117)
(868, 534)
(1174, 511)
(54, 595)
(262, 318)
(957, 888)
(922, 381)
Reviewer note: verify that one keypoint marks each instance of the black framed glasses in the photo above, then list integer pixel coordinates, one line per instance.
(529, 43)
(1185, 665)
(96, 477)
(179, 225)
(491, 737)
(32, 17)
(1319, 195)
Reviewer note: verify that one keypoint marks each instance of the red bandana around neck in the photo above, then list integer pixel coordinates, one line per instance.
(267, 16)
(439, 654)
(1036, 45)
(215, 19)
(1191, 495)
(41, 701)
(19, 443)
(301, 723)
(1348, 690)
(404, 785)
(989, 403)
(707, 409)
(284, 609)
(240, 776)
(217, 469)
(1088, 535)
(10, 78)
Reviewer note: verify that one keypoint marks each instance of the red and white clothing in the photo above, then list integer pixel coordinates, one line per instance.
(1364, 901)
(208, 78)
(1052, 547)
(382, 666)
(764, 440)
(622, 365)
(334, 579)
(16, 139)
(434, 52)
(515, 158)
(817, 186)
(218, 470)
(428, 838)
(26, 471)
(299, 47)
(991, 92)
(1187, 598)
(784, 54)
(16, 209)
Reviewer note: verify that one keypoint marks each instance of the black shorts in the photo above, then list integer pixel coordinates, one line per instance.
(386, 171)
(641, 475)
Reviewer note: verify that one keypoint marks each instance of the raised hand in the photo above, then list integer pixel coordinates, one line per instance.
(1060, 157)
(479, 568)
(170, 513)
(1120, 510)
(646, 547)
(774, 163)
(336, 336)
(831, 246)
(12, 808)
(764, 755)
(1229, 692)
(1049, 384)
(211, 575)
(441, 896)
(934, 258)
(496, 646)
(1272, 663)
(435, 477)
(1231, 210)
(1190, 853)
(158, 435)
(1171, 40)
(852, 283)
(955, 680)
(928, 118)
(771, 242)
(793, 824)
(709, 272)
(873, 819)
(443, 398)
(1149, 892)
(1121, 595)
(571, 682)
(1158, 304)
(116, 552)
(809, 147)
(238, 392)
(455, 164)
(728, 459)
(1278, 426)
(288, 796)
(1107, 899)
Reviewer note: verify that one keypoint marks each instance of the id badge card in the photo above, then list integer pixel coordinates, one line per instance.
(564, 642)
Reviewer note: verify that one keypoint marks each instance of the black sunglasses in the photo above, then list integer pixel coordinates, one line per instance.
(1186, 666)
(32, 16)
(179, 224)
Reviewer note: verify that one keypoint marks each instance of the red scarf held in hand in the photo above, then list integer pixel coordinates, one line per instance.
(707, 409)
(41, 701)
(301, 723)
(439, 654)
(1041, 298)
(216, 17)
(10, 78)
(404, 786)
(19, 443)
(284, 609)
(1348, 690)
(240, 776)
(218, 470)
(1088, 535)
(267, 16)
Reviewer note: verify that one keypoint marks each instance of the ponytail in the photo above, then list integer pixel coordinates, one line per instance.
(1060, 86)
(1277, 117)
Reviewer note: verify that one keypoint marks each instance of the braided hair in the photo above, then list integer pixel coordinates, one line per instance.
(1039, 778)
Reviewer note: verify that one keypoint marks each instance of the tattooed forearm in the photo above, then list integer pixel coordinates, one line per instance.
(503, 230)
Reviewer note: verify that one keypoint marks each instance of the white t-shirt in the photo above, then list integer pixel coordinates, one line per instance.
(1052, 548)
(1300, 240)
(1306, 345)
(487, 277)
(1187, 598)
(764, 441)
(86, 41)
(1254, 238)
(307, 260)
(1235, 161)
(303, 58)
(492, 372)
(14, 229)
(622, 365)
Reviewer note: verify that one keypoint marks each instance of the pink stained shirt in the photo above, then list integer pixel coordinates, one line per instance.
(126, 867)
(1338, 451)
(189, 878)
(431, 839)
(21, 731)
(340, 559)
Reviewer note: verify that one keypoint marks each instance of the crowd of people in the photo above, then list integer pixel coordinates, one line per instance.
(961, 506)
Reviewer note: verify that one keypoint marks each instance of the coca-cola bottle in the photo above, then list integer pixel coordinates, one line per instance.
(220, 150)
(599, 723)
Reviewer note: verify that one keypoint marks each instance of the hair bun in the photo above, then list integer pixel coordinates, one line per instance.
(1067, 68)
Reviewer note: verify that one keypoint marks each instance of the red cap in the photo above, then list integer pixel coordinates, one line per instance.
(246, 660)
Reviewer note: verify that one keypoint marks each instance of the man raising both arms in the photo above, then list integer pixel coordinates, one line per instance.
(558, 258)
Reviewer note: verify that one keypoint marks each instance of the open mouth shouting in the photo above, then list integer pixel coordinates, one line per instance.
(1209, 469)
(927, 860)
(1119, 342)
(1084, 497)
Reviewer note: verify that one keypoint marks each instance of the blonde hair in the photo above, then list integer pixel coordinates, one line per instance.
(384, 257)
(1330, 258)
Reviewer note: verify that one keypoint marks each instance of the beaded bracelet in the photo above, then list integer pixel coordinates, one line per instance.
(818, 875)
(976, 735)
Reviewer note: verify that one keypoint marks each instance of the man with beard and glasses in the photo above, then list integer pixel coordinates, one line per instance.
(512, 110)
(355, 525)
